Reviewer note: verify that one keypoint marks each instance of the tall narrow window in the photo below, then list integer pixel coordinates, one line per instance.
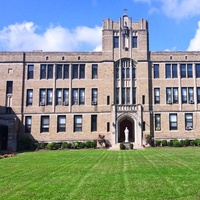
(108, 100)
(94, 71)
(134, 42)
(174, 71)
(94, 96)
(108, 126)
(29, 100)
(157, 122)
(133, 72)
(66, 71)
(44, 124)
(123, 95)
(134, 95)
(49, 96)
(175, 95)
(183, 70)
(156, 70)
(197, 66)
(81, 96)
(74, 96)
(9, 87)
(116, 42)
(65, 97)
(30, 71)
(198, 95)
(173, 125)
(184, 94)
(156, 95)
(82, 71)
(168, 71)
(189, 71)
(50, 72)
(188, 121)
(75, 71)
(59, 71)
(78, 123)
(59, 97)
(61, 123)
(143, 99)
(117, 95)
(42, 97)
(28, 124)
(168, 95)
(43, 71)
(93, 123)
(191, 95)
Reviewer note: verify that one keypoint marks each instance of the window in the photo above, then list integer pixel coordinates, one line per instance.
(184, 95)
(108, 100)
(183, 70)
(29, 100)
(59, 71)
(94, 96)
(117, 72)
(134, 95)
(116, 42)
(78, 71)
(157, 122)
(173, 122)
(197, 66)
(198, 95)
(133, 72)
(62, 97)
(156, 70)
(66, 71)
(134, 42)
(172, 95)
(9, 87)
(125, 95)
(189, 71)
(171, 71)
(174, 71)
(78, 96)
(191, 95)
(44, 124)
(78, 123)
(28, 124)
(30, 71)
(168, 71)
(188, 121)
(46, 97)
(117, 95)
(108, 126)
(46, 71)
(93, 123)
(157, 95)
(94, 71)
(61, 126)
(143, 99)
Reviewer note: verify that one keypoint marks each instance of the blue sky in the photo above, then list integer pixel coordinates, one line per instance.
(75, 25)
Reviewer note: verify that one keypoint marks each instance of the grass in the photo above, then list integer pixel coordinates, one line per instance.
(154, 173)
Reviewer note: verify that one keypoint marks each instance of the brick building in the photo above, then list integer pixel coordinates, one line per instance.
(74, 96)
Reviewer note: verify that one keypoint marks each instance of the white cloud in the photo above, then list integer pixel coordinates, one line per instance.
(195, 42)
(177, 9)
(23, 37)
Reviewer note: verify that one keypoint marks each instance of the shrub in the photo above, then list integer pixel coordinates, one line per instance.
(176, 143)
(197, 142)
(88, 144)
(148, 138)
(75, 145)
(93, 144)
(51, 146)
(69, 145)
(192, 143)
(187, 142)
(82, 145)
(164, 143)
(64, 145)
(158, 142)
(58, 145)
(170, 143)
(42, 145)
(122, 146)
(131, 146)
(182, 143)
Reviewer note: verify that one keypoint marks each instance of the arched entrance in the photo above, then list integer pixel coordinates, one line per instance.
(3, 137)
(129, 123)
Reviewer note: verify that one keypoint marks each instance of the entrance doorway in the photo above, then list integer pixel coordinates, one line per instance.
(122, 125)
(3, 137)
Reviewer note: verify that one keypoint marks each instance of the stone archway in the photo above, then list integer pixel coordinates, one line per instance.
(3, 137)
(129, 123)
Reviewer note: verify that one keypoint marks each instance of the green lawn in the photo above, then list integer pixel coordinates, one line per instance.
(154, 173)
